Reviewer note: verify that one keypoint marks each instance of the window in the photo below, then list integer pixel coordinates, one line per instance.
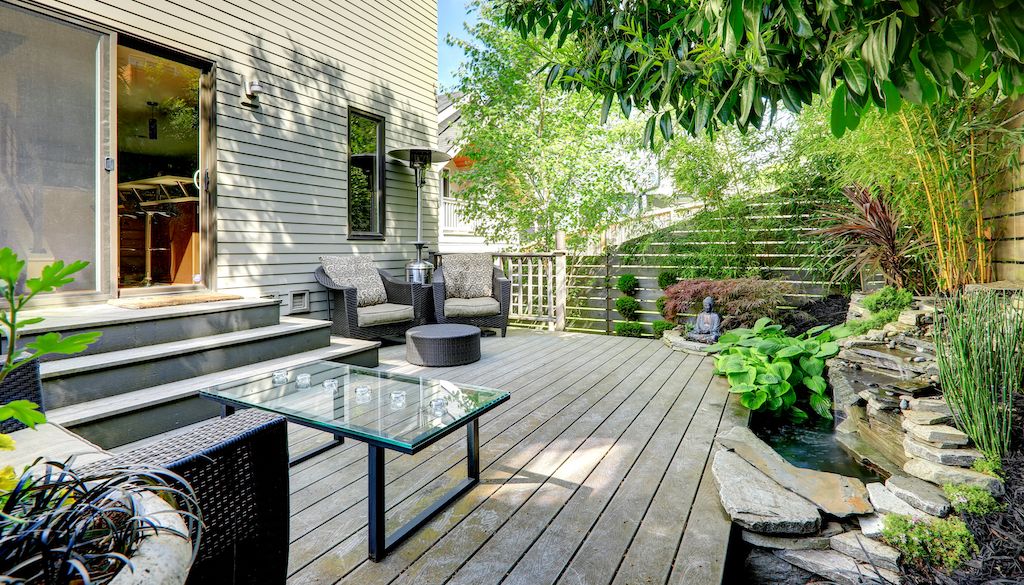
(365, 176)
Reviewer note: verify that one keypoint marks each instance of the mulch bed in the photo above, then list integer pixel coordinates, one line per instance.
(830, 310)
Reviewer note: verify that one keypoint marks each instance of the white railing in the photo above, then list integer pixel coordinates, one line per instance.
(452, 220)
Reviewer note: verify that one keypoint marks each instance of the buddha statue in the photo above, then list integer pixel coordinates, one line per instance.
(707, 325)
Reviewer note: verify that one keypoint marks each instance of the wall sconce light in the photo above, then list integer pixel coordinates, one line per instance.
(254, 89)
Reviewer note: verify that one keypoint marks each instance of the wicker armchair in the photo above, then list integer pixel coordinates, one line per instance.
(238, 467)
(344, 309)
(501, 291)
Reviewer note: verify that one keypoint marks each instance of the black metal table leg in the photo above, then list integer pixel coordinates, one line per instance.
(311, 453)
(378, 547)
(226, 410)
(473, 449)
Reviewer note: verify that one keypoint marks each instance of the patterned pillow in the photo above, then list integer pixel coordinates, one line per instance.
(360, 273)
(467, 276)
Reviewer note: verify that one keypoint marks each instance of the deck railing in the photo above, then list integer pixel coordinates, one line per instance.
(452, 218)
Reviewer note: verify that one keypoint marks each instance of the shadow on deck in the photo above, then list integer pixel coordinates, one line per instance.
(595, 472)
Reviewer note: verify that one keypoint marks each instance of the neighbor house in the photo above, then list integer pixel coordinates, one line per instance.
(213, 145)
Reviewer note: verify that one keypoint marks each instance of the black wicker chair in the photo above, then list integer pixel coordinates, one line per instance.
(501, 291)
(343, 307)
(238, 467)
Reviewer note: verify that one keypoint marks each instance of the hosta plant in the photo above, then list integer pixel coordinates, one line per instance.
(773, 372)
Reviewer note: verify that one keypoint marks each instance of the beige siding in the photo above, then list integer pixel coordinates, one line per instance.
(1006, 216)
(281, 168)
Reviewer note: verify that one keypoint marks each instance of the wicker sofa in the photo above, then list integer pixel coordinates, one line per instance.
(500, 300)
(346, 313)
(238, 467)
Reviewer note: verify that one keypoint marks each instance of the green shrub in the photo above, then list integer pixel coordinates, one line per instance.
(971, 499)
(629, 329)
(876, 321)
(988, 466)
(627, 307)
(628, 284)
(888, 298)
(661, 326)
(945, 543)
(667, 278)
(660, 304)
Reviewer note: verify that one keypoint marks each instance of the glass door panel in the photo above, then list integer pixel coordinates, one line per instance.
(159, 201)
(51, 114)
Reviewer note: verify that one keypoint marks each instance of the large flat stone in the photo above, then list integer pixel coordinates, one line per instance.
(937, 405)
(755, 502)
(939, 474)
(941, 434)
(869, 550)
(837, 567)
(761, 566)
(886, 502)
(920, 494)
(835, 494)
(958, 457)
(923, 417)
(818, 541)
(871, 525)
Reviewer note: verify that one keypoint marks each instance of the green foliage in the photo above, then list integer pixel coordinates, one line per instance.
(971, 499)
(945, 543)
(876, 321)
(667, 278)
(766, 367)
(627, 307)
(628, 284)
(740, 301)
(661, 326)
(979, 340)
(660, 304)
(888, 298)
(629, 329)
(699, 65)
(988, 466)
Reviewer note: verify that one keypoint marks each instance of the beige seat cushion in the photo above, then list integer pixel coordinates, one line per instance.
(467, 276)
(384, 314)
(359, 273)
(51, 442)
(478, 307)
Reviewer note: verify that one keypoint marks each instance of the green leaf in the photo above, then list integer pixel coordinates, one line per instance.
(10, 266)
(856, 76)
(734, 30)
(747, 98)
(789, 398)
(789, 351)
(812, 366)
(816, 384)
(767, 379)
(827, 350)
(838, 118)
(54, 343)
(1007, 36)
(768, 346)
(821, 405)
(742, 388)
(747, 376)
(761, 324)
(606, 106)
(754, 400)
(816, 330)
(893, 101)
(783, 369)
(666, 126)
(25, 411)
(797, 415)
(798, 19)
(911, 8)
(552, 75)
(54, 276)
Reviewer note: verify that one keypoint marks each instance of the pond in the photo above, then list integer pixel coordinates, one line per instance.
(811, 445)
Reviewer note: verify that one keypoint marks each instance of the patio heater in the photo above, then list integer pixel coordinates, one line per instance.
(420, 160)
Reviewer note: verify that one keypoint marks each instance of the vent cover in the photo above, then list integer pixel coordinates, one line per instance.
(298, 302)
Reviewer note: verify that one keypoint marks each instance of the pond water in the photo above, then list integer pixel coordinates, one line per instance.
(811, 445)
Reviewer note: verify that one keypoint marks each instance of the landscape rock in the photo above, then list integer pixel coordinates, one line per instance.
(866, 549)
(755, 502)
(957, 457)
(915, 318)
(871, 525)
(674, 340)
(837, 567)
(940, 434)
(886, 502)
(835, 494)
(818, 541)
(931, 405)
(762, 566)
(942, 474)
(920, 494)
(923, 417)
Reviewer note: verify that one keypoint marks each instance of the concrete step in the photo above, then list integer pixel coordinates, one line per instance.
(91, 377)
(139, 414)
(129, 328)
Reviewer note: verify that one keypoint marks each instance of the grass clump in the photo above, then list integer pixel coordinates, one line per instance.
(971, 499)
(888, 298)
(988, 466)
(628, 284)
(661, 326)
(629, 329)
(667, 278)
(945, 542)
(628, 307)
(877, 321)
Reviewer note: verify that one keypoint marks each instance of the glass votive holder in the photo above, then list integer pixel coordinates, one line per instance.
(439, 406)
(303, 381)
(279, 378)
(398, 399)
(362, 394)
(331, 385)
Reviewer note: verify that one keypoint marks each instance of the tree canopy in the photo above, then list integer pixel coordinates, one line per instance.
(698, 64)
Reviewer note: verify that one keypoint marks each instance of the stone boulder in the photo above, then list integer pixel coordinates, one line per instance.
(762, 566)
(941, 435)
(755, 502)
(835, 494)
(886, 502)
(937, 405)
(837, 567)
(865, 549)
(871, 525)
(920, 494)
(818, 541)
(957, 457)
(923, 417)
(939, 474)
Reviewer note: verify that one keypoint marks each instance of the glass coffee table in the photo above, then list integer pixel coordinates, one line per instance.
(382, 409)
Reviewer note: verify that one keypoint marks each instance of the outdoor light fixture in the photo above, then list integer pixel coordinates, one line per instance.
(419, 159)
(254, 89)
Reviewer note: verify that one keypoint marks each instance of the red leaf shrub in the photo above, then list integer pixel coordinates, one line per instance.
(740, 301)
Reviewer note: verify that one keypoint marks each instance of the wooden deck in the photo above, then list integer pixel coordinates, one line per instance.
(595, 472)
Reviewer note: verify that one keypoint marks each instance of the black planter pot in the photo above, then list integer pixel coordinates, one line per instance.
(23, 383)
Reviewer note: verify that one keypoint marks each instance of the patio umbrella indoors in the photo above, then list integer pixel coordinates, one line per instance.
(420, 159)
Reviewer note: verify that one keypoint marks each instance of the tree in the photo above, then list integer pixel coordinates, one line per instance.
(541, 160)
(703, 63)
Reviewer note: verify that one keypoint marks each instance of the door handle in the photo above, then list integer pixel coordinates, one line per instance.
(195, 181)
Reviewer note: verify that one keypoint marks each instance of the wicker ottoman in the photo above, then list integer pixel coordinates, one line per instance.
(442, 345)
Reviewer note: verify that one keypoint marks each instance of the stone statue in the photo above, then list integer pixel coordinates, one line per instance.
(707, 326)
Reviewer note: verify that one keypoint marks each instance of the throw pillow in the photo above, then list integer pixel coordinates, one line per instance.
(467, 276)
(359, 273)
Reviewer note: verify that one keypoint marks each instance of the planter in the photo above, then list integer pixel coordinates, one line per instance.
(162, 558)
(22, 384)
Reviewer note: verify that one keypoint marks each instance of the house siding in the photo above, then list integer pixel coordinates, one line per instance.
(281, 171)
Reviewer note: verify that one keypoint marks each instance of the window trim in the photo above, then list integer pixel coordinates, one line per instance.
(381, 177)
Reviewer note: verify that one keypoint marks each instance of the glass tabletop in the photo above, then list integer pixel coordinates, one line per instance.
(394, 410)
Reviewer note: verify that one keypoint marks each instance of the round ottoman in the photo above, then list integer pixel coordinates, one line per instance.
(442, 345)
